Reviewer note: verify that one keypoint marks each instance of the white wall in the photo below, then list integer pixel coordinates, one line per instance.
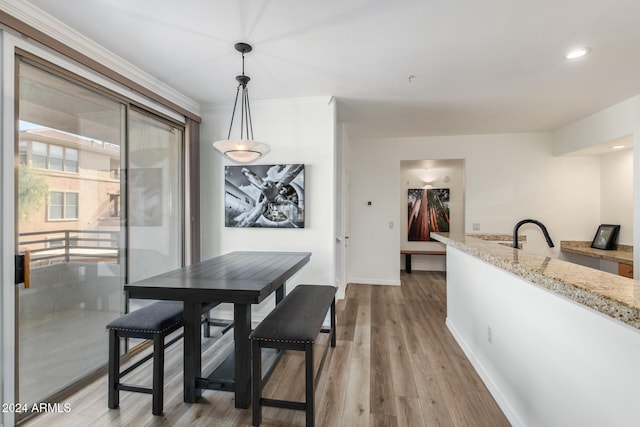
(374, 245)
(549, 361)
(298, 131)
(616, 192)
(508, 177)
(618, 121)
(611, 123)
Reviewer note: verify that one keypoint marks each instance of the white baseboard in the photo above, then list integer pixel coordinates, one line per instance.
(374, 282)
(493, 388)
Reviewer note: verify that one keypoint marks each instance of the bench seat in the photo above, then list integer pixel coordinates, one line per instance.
(408, 252)
(293, 324)
(153, 322)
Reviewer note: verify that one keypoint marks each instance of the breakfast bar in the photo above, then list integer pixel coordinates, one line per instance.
(556, 343)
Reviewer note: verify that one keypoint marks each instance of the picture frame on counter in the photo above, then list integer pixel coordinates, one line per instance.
(606, 237)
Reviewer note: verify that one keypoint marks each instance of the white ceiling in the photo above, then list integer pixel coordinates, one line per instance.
(480, 66)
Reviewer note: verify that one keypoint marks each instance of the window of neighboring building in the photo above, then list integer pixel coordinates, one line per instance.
(63, 205)
(39, 155)
(71, 160)
(54, 157)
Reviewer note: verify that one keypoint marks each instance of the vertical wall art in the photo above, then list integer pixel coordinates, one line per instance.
(269, 196)
(428, 211)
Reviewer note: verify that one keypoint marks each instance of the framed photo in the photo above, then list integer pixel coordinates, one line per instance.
(428, 211)
(606, 236)
(267, 196)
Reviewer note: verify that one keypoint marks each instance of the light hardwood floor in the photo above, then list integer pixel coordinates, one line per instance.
(395, 364)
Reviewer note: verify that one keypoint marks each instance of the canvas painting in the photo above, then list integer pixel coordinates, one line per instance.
(270, 196)
(428, 211)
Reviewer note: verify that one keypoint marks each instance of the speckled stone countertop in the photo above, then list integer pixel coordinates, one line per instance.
(622, 253)
(609, 294)
(498, 237)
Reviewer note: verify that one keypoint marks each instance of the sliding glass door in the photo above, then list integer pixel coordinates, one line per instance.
(69, 228)
(155, 196)
(99, 201)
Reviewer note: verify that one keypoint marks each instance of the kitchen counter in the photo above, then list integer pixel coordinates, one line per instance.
(622, 254)
(615, 296)
(556, 343)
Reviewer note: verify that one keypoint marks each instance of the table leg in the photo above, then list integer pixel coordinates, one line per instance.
(280, 293)
(192, 350)
(242, 368)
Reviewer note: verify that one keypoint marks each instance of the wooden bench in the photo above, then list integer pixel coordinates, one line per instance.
(407, 256)
(293, 324)
(155, 322)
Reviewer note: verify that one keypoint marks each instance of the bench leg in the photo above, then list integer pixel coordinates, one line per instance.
(114, 369)
(309, 387)
(158, 374)
(407, 263)
(256, 386)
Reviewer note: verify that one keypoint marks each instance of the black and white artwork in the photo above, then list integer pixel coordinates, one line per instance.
(270, 196)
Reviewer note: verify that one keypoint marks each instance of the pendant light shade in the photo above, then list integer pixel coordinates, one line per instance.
(243, 149)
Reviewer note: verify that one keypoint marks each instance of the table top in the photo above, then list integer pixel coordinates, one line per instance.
(236, 277)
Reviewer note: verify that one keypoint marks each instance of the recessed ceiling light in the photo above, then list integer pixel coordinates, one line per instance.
(577, 53)
(618, 147)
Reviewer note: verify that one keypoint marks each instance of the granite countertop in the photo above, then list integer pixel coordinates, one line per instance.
(609, 294)
(622, 253)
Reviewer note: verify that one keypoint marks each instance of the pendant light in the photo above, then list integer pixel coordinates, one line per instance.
(242, 150)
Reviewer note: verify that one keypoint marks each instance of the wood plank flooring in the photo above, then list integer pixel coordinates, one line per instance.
(395, 364)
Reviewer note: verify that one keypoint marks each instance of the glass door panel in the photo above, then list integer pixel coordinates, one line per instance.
(155, 196)
(69, 227)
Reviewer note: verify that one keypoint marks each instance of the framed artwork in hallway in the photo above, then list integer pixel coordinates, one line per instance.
(428, 211)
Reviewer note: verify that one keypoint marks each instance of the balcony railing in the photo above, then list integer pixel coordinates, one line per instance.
(48, 247)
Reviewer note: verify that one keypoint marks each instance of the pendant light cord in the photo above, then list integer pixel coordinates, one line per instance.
(244, 109)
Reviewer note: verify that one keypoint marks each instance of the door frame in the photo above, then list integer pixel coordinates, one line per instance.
(8, 292)
(10, 45)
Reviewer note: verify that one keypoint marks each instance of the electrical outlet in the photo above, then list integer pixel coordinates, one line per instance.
(476, 226)
(489, 335)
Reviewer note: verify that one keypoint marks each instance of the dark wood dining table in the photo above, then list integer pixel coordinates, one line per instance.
(240, 278)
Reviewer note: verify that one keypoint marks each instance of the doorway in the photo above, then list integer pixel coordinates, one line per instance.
(438, 182)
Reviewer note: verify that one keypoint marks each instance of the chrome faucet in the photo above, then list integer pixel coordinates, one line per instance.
(533, 221)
